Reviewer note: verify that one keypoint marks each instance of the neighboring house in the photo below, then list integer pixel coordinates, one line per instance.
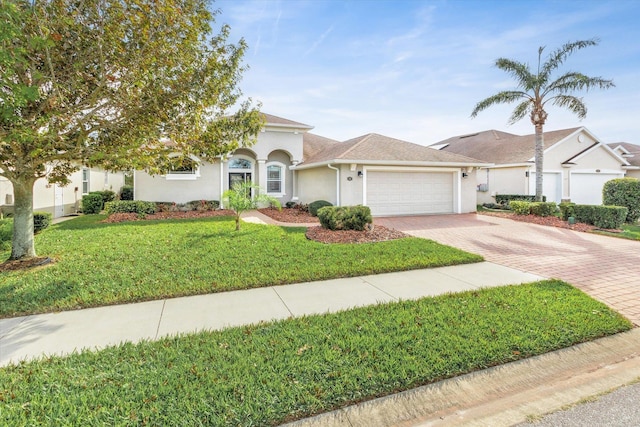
(61, 201)
(392, 177)
(631, 153)
(576, 164)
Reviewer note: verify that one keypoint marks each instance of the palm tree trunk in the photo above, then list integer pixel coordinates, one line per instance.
(539, 159)
(22, 245)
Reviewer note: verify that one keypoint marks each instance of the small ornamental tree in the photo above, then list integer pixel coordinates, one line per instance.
(115, 84)
(240, 199)
(623, 192)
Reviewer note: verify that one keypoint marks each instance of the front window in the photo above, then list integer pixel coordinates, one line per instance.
(186, 168)
(239, 163)
(275, 179)
(85, 181)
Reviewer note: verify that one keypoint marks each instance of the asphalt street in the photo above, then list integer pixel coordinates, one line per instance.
(616, 409)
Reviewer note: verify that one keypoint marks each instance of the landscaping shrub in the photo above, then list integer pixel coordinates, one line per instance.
(314, 206)
(131, 206)
(567, 209)
(126, 193)
(623, 192)
(92, 203)
(41, 220)
(107, 196)
(520, 207)
(505, 199)
(345, 217)
(6, 233)
(601, 216)
(202, 205)
(543, 208)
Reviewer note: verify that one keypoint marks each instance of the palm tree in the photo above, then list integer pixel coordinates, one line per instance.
(537, 89)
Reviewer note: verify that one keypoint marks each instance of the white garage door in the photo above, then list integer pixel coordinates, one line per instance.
(409, 193)
(586, 188)
(551, 186)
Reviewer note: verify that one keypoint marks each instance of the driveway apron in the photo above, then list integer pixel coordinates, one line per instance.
(606, 268)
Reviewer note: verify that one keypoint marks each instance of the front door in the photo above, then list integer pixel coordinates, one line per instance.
(238, 178)
(58, 202)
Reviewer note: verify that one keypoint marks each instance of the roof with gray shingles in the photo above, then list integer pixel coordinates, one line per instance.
(501, 147)
(375, 147)
(633, 149)
(275, 120)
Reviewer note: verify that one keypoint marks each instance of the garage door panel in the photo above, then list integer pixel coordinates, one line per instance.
(586, 188)
(406, 193)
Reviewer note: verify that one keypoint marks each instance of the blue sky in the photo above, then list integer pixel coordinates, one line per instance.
(414, 70)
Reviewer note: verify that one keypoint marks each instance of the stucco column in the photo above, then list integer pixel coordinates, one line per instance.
(294, 182)
(262, 174)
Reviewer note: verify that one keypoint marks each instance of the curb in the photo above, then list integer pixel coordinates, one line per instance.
(503, 395)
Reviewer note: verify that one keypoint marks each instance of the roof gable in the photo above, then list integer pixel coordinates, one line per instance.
(629, 152)
(373, 147)
(501, 147)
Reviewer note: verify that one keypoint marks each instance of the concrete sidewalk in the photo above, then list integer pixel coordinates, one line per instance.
(64, 332)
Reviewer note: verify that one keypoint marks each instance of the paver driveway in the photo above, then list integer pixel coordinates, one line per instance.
(606, 268)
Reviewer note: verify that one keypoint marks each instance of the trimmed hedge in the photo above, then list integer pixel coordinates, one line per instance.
(92, 203)
(503, 199)
(126, 193)
(41, 220)
(543, 208)
(314, 206)
(131, 206)
(107, 196)
(623, 192)
(607, 217)
(567, 209)
(520, 207)
(345, 217)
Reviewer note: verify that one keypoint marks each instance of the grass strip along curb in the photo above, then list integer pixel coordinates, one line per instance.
(274, 372)
(101, 264)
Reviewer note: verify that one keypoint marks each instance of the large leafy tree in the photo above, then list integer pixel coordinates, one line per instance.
(540, 87)
(108, 83)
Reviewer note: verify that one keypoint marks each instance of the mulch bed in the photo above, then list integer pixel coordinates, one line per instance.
(551, 221)
(291, 215)
(122, 217)
(377, 234)
(23, 264)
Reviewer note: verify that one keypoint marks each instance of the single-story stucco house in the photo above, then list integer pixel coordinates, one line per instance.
(631, 153)
(576, 164)
(391, 176)
(59, 200)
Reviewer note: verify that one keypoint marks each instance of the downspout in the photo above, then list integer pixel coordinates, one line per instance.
(337, 183)
(221, 181)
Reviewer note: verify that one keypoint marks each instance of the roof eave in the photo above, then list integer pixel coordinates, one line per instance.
(391, 163)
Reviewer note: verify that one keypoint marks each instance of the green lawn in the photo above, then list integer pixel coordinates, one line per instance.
(629, 231)
(274, 372)
(100, 264)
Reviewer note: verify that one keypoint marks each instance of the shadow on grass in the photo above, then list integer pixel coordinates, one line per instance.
(86, 222)
(18, 301)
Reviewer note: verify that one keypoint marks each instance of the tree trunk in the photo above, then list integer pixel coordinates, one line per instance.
(539, 159)
(22, 245)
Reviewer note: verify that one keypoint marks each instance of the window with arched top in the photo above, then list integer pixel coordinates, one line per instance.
(240, 163)
(275, 179)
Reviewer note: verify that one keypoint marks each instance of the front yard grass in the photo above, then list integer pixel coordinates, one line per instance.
(631, 232)
(269, 373)
(100, 264)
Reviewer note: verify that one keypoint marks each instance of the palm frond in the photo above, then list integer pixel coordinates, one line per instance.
(504, 97)
(558, 56)
(518, 70)
(521, 111)
(571, 103)
(573, 81)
